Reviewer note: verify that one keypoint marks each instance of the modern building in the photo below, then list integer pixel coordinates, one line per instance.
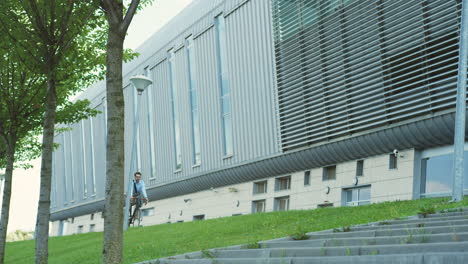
(264, 105)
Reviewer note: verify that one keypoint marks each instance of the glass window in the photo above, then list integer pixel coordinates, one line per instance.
(198, 217)
(84, 158)
(147, 212)
(258, 206)
(437, 174)
(282, 203)
(357, 196)
(329, 173)
(175, 111)
(227, 135)
(283, 183)
(91, 147)
(223, 72)
(150, 120)
(71, 163)
(193, 101)
(65, 167)
(392, 161)
(359, 168)
(306, 178)
(260, 187)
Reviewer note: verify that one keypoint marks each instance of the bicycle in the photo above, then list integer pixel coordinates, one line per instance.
(136, 215)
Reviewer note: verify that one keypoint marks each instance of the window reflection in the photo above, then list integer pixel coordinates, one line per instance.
(437, 174)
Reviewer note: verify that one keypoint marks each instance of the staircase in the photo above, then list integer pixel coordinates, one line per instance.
(437, 238)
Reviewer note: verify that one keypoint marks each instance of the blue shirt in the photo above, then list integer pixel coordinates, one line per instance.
(140, 187)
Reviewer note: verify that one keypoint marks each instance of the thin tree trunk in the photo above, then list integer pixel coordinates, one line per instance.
(10, 155)
(43, 209)
(113, 216)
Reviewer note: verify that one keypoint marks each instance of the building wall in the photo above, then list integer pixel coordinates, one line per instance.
(385, 184)
(313, 83)
(78, 164)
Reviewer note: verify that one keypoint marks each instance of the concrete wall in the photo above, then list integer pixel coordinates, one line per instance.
(386, 185)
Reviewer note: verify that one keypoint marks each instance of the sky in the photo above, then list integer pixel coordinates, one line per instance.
(25, 189)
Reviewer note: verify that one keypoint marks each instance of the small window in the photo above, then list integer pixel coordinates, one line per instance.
(92, 217)
(198, 217)
(306, 178)
(92, 228)
(282, 203)
(329, 173)
(147, 212)
(80, 229)
(392, 162)
(73, 220)
(357, 196)
(260, 187)
(324, 205)
(180, 221)
(258, 206)
(359, 168)
(283, 183)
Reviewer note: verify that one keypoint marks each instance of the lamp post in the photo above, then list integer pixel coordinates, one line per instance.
(2, 177)
(460, 115)
(140, 82)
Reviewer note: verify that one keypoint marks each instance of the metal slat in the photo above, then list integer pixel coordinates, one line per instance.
(329, 92)
(357, 91)
(358, 128)
(356, 55)
(368, 107)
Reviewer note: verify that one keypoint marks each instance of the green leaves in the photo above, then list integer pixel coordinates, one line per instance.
(72, 112)
(64, 38)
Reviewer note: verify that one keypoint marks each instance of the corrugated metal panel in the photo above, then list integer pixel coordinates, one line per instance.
(347, 67)
(99, 135)
(209, 98)
(253, 89)
(163, 115)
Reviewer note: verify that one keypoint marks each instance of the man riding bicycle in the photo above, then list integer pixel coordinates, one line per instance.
(138, 195)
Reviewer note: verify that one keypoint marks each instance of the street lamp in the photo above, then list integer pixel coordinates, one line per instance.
(2, 177)
(140, 82)
(460, 112)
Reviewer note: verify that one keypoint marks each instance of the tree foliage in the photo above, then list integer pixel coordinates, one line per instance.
(53, 39)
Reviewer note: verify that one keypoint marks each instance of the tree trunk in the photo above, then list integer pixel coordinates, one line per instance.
(43, 209)
(10, 154)
(113, 216)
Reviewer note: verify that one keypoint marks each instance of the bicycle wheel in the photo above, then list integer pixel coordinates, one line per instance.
(137, 217)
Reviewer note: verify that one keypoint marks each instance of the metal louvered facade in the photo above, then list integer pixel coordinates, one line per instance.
(348, 66)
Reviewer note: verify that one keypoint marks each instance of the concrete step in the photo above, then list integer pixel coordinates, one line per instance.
(416, 224)
(449, 214)
(342, 251)
(415, 219)
(364, 241)
(437, 239)
(392, 232)
(425, 258)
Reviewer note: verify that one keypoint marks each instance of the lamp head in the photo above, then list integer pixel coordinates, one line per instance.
(140, 82)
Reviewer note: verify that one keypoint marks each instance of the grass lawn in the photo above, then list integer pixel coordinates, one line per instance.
(145, 243)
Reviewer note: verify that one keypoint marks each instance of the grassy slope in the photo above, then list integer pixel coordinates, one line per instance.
(152, 242)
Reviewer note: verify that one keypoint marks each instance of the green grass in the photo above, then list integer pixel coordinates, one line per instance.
(145, 243)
